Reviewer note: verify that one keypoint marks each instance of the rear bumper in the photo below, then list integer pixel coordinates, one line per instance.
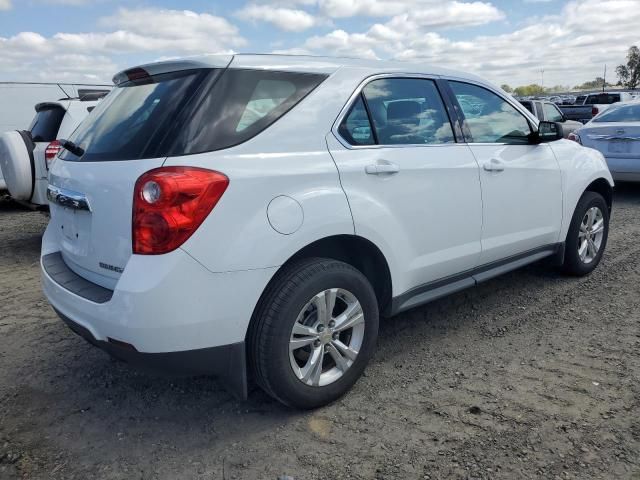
(227, 362)
(624, 169)
(169, 308)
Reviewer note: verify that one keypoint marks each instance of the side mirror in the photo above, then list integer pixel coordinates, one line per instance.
(547, 132)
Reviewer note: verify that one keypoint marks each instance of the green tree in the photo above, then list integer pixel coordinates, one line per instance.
(529, 90)
(593, 84)
(507, 88)
(629, 74)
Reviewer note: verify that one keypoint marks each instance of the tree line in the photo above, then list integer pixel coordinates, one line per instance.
(628, 77)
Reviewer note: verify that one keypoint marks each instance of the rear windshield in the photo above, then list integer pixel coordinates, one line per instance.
(45, 125)
(603, 99)
(188, 112)
(627, 113)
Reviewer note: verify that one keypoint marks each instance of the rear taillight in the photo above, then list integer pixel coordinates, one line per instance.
(170, 203)
(594, 111)
(51, 152)
(575, 137)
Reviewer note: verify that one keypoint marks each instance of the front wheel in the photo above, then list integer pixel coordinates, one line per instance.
(587, 236)
(314, 332)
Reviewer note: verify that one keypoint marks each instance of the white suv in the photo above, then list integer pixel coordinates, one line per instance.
(252, 213)
(26, 155)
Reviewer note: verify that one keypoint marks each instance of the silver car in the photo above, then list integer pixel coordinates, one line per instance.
(616, 134)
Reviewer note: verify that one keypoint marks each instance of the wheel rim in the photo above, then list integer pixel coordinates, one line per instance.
(590, 235)
(326, 337)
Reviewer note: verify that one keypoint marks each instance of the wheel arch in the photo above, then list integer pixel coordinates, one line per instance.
(602, 186)
(358, 252)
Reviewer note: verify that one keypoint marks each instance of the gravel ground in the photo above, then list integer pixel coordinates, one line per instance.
(532, 375)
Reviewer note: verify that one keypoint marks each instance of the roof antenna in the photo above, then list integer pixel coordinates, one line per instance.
(63, 91)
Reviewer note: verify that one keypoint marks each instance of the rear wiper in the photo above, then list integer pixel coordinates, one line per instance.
(72, 147)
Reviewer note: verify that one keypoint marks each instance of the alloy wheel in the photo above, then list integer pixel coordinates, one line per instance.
(590, 235)
(326, 337)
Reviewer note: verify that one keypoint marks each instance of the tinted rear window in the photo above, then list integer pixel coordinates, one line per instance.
(603, 99)
(188, 112)
(46, 123)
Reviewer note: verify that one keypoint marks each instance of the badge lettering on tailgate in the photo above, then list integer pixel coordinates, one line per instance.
(112, 268)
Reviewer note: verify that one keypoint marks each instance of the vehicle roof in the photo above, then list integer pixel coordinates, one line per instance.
(298, 63)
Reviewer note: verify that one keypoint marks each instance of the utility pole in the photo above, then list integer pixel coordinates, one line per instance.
(542, 75)
(604, 78)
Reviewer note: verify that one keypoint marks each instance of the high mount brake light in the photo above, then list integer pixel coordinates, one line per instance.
(51, 151)
(169, 205)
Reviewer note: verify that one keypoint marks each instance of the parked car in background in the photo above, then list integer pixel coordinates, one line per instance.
(616, 134)
(18, 98)
(254, 211)
(593, 104)
(550, 112)
(26, 155)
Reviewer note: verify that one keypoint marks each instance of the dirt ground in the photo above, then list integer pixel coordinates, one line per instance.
(532, 375)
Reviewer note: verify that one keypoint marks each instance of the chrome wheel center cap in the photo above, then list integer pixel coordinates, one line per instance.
(326, 336)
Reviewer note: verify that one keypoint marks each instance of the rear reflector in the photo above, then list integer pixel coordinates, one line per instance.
(51, 151)
(170, 203)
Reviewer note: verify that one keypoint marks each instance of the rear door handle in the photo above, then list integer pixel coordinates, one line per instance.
(382, 168)
(494, 165)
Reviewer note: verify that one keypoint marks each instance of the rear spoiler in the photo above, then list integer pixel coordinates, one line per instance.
(47, 106)
(170, 66)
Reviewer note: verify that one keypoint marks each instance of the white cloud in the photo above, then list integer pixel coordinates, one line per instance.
(572, 47)
(288, 19)
(29, 56)
(5, 5)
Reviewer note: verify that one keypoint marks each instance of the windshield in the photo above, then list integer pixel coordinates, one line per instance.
(626, 113)
(187, 112)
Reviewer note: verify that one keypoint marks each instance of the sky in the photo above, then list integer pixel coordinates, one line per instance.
(506, 41)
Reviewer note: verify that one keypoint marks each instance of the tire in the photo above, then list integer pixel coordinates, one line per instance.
(574, 263)
(296, 298)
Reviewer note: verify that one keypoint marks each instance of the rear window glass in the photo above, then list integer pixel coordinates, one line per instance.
(627, 113)
(46, 123)
(603, 99)
(188, 112)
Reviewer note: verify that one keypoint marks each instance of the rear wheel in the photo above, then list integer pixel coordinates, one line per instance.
(587, 236)
(314, 332)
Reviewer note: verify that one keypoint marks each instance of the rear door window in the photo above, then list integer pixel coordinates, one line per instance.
(46, 123)
(408, 111)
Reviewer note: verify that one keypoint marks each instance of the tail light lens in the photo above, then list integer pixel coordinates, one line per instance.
(594, 111)
(51, 152)
(575, 137)
(170, 203)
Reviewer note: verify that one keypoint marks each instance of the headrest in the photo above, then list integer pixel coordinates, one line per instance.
(404, 110)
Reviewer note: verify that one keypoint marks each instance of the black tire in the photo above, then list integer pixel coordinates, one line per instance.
(274, 319)
(573, 265)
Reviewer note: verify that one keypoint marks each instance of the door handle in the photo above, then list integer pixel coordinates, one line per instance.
(494, 165)
(382, 168)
